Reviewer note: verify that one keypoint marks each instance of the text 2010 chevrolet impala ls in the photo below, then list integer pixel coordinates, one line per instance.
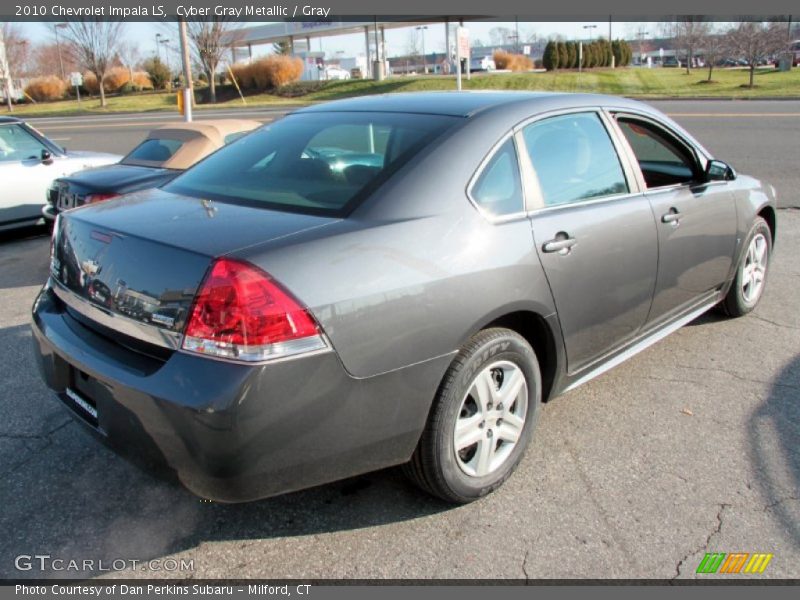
(390, 280)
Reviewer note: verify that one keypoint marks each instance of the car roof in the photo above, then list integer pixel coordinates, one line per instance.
(469, 103)
(6, 120)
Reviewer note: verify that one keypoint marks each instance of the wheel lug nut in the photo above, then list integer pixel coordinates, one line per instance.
(482, 424)
(489, 406)
(500, 406)
(489, 434)
(499, 422)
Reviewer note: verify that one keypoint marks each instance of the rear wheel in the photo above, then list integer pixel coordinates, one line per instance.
(751, 275)
(482, 419)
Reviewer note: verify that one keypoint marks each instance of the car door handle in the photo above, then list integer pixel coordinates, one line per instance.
(673, 216)
(559, 244)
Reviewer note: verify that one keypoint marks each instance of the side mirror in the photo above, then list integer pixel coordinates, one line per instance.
(716, 170)
(47, 157)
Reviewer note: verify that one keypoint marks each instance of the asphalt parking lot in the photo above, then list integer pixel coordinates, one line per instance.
(691, 447)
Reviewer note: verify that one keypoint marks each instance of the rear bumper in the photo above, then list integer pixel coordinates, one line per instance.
(234, 432)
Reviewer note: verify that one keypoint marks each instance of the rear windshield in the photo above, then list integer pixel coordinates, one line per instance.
(153, 151)
(317, 163)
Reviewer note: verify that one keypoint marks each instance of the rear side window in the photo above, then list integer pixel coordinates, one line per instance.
(232, 137)
(664, 160)
(498, 189)
(574, 159)
(156, 151)
(318, 163)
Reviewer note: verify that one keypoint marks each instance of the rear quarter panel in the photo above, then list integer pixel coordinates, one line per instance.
(416, 270)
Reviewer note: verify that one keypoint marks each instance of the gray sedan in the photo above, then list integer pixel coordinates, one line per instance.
(390, 280)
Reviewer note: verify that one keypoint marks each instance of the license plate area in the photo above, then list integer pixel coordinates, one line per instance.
(66, 200)
(77, 398)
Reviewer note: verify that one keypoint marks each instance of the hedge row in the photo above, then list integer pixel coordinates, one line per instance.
(564, 55)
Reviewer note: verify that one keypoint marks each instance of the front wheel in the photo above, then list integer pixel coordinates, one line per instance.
(751, 275)
(482, 418)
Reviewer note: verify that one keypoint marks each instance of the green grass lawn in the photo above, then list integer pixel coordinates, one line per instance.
(633, 82)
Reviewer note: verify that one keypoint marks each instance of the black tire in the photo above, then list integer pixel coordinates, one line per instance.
(435, 465)
(735, 304)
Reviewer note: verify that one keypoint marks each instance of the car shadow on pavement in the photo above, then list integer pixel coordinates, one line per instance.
(31, 247)
(774, 437)
(64, 494)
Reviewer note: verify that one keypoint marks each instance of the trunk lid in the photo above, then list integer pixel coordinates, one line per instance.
(134, 264)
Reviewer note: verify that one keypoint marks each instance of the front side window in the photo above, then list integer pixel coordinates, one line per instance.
(498, 189)
(317, 163)
(664, 160)
(16, 144)
(574, 159)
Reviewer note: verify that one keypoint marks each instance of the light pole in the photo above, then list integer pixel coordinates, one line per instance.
(591, 33)
(422, 28)
(56, 27)
(158, 46)
(166, 55)
(641, 34)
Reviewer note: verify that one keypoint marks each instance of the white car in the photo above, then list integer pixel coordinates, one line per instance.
(336, 73)
(28, 163)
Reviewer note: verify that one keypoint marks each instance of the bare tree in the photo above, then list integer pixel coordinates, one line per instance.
(715, 47)
(210, 40)
(129, 55)
(412, 44)
(95, 45)
(500, 36)
(756, 42)
(689, 33)
(44, 59)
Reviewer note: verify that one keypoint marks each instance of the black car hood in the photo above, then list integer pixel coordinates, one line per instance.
(117, 178)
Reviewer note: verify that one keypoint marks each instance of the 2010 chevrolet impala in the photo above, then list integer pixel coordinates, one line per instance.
(390, 280)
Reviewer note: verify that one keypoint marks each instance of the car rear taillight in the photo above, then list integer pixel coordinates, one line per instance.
(242, 313)
(92, 198)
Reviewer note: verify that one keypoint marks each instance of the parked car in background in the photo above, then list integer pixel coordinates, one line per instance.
(333, 72)
(481, 63)
(671, 61)
(164, 154)
(29, 162)
(397, 279)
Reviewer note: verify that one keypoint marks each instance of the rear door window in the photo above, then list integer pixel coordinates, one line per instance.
(574, 159)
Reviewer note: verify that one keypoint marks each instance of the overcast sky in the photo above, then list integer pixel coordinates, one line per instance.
(396, 39)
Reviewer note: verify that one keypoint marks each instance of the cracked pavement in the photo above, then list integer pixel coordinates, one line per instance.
(691, 447)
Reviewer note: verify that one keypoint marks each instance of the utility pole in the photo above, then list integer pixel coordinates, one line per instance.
(422, 28)
(188, 89)
(56, 27)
